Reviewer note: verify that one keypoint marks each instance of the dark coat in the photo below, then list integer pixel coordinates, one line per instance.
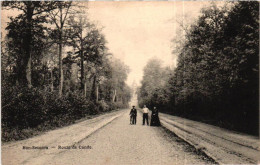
(133, 112)
(155, 121)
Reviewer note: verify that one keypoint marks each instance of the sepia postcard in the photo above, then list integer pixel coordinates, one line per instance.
(129, 82)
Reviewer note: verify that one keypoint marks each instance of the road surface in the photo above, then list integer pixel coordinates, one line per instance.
(90, 142)
(224, 146)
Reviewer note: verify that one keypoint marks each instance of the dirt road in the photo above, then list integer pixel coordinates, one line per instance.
(224, 146)
(116, 143)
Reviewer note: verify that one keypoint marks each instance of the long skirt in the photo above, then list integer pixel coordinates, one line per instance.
(155, 121)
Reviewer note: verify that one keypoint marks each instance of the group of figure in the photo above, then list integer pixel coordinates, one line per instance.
(155, 121)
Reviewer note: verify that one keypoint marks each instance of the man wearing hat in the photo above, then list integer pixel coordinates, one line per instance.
(133, 114)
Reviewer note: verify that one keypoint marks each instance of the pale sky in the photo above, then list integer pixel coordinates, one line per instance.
(139, 31)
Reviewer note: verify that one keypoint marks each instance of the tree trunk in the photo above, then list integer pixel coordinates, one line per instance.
(93, 93)
(114, 96)
(85, 89)
(29, 72)
(97, 94)
(60, 56)
(28, 42)
(60, 70)
(51, 81)
(81, 59)
(82, 69)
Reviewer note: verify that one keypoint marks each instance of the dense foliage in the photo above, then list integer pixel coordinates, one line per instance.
(216, 78)
(52, 75)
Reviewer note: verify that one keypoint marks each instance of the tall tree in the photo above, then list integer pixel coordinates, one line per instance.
(78, 38)
(95, 54)
(217, 74)
(154, 79)
(31, 17)
(59, 18)
(119, 76)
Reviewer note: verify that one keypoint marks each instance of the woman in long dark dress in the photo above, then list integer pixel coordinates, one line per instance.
(155, 121)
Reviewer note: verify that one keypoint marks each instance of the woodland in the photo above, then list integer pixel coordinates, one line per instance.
(56, 68)
(216, 79)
